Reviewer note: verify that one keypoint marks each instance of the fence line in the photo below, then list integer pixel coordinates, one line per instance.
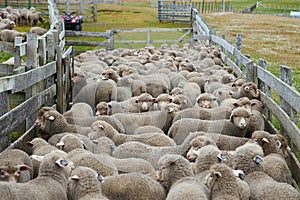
(27, 87)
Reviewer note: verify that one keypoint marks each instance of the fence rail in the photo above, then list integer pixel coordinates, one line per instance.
(24, 88)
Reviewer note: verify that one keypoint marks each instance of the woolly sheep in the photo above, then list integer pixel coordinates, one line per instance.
(150, 153)
(55, 123)
(15, 166)
(248, 89)
(38, 30)
(161, 118)
(102, 128)
(79, 110)
(206, 100)
(103, 145)
(162, 100)
(209, 155)
(84, 184)
(7, 35)
(223, 184)
(176, 175)
(204, 113)
(100, 163)
(249, 158)
(275, 166)
(147, 129)
(235, 126)
(51, 184)
(70, 142)
(132, 186)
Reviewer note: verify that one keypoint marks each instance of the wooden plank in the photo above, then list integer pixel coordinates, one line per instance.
(289, 94)
(228, 47)
(145, 41)
(232, 65)
(21, 81)
(284, 120)
(13, 118)
(86, 34)
(83, 43)
(137, 30)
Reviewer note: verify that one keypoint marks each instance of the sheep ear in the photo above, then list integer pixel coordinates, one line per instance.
(257, 159)
(235, 104)
(101, 126)
(217, 174)
(113, 146)
(37, 158)
(95, 141)
(60, 144)
(30, 143)
(222, 157)
(231, 118)
(75, 178)
(24, 167)
(51, 118)
(265, 140)
(61, 163)
(239, 173)
(278, 144)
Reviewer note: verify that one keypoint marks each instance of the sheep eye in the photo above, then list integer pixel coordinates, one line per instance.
(2, 174)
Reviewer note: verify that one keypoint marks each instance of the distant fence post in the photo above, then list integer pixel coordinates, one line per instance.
(17, 57)
(95, 11)
(4, 108)
(238, 47)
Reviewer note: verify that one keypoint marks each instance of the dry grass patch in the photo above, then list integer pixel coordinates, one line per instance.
(275, 39)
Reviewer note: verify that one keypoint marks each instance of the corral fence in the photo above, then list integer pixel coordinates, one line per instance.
(174, 11)
(43, 80)
(286, 111)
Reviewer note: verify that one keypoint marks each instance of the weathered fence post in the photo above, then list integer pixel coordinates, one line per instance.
(148, 37)
(59, 80)
(111, 39)
(4, 108)
(286, 76)
(17, 57)
(95, 11)
(31, 51)
(238, 47)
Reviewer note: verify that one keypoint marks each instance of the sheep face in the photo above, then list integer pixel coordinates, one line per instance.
(250, 90)
(144, 102)
(162, 100)
(240, 117)
(101, 108)
(206, 100)
(11, 172)
(196, 144)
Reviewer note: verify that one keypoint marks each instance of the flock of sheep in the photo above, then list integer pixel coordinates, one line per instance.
(10, 18)
(154, 123)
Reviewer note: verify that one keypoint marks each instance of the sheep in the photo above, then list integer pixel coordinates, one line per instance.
(161, 118)
(183, 101)
(176, 175)
(69, 142)
(84, 184)
(34, 18)
(15, 166)
(206, 100)
(235, 126)
(103, 145)
(130, 165)
(51, 183)
(223, 184)
(102, 128)
(88, 121)
(102, 108)
(147, 129)
(275, 166)
(209, 155)
(249, 90)
(38, 30)
(144, 102)
(7, 35)
(7, 26)
(249, 158)
(222, 93)
(55, 123)
(132, 186)
(151, 153)
(95, 92)
(223, 142)
(156, 84)
(79, 110)
(221, 112)
(162, 100)
(39, 147)
(267, 141)
(100, 163)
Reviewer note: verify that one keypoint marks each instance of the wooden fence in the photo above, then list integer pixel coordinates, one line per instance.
(174, 11)
(25, 88)
(285, 112)
(123, 38)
